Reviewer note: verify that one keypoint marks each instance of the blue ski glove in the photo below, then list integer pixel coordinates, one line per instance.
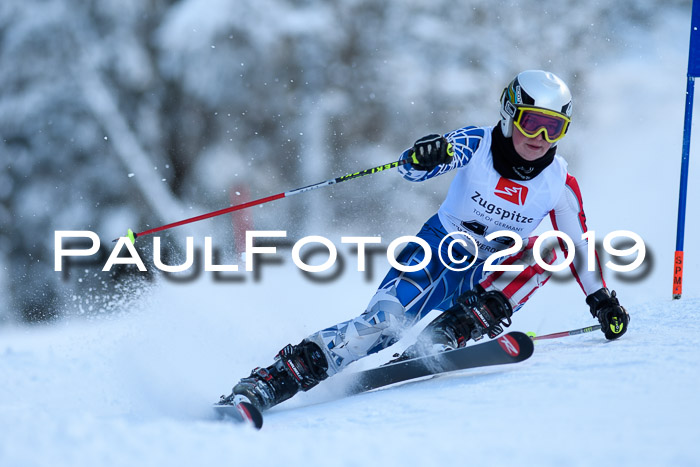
(613, 318)
(431, 151)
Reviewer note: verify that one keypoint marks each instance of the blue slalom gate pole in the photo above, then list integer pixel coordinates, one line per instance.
(693, 72)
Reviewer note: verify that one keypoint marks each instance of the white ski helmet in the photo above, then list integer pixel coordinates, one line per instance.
(534, 88)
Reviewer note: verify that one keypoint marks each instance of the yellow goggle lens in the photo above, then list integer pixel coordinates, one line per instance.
(531, 121)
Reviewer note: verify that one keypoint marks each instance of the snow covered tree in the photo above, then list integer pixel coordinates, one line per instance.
(132, 113)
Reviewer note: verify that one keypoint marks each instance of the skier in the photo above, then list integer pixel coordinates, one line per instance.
(508, 177)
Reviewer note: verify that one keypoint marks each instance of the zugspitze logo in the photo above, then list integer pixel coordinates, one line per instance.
(511, 191)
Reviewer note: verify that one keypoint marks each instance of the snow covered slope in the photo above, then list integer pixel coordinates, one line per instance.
(136, 391)
(135, 388)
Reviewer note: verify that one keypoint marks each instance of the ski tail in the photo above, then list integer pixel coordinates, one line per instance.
(251, 414)
(240, 410)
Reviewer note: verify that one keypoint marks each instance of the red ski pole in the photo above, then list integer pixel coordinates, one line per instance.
(564, 333)
(132, 235)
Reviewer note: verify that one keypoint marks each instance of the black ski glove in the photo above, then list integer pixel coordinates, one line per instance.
(431, 151)
(612, 316)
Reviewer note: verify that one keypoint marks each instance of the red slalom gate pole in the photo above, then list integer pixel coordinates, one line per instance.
(133, 235)
(564, 333)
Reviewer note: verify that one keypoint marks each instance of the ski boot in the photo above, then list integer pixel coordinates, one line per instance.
(475, 314)
(296, 367)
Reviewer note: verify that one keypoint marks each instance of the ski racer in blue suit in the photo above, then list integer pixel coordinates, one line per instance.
(508, 177)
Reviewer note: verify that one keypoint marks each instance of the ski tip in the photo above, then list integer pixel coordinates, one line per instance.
(518, 345)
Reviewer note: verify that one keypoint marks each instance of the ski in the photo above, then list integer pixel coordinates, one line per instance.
(510, 348)
(239, 410)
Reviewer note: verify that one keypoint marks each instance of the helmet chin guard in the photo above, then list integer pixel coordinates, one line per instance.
(533, 88)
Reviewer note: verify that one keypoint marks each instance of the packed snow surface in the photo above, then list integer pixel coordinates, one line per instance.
(137, 389)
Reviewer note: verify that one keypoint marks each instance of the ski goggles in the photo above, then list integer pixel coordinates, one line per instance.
(532, 121)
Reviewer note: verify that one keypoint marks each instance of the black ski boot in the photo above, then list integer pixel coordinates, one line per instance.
(476, 313)
(296, 367)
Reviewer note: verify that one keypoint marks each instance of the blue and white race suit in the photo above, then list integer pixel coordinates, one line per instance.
(479, 202)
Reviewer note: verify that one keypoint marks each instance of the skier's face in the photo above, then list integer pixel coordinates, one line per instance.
(530, 149)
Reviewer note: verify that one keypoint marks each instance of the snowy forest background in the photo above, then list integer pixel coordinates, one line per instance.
(133, 114)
